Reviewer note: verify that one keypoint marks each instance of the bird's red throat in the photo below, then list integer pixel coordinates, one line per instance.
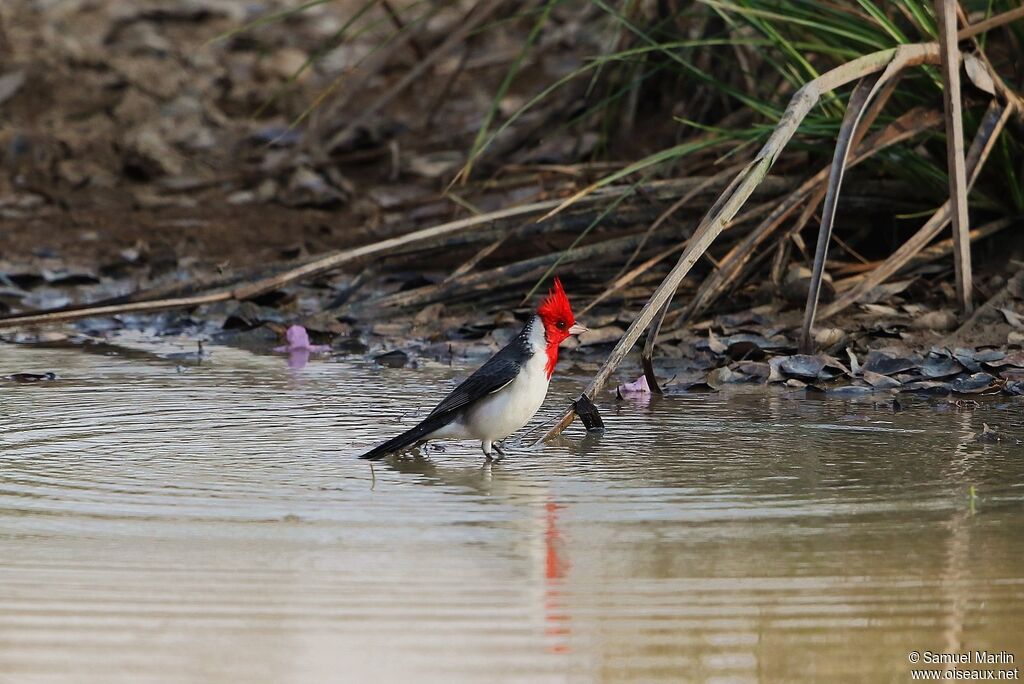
(552, 352)
(556, 315)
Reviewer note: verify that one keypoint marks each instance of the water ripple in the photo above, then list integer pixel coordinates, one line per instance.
(155, 517)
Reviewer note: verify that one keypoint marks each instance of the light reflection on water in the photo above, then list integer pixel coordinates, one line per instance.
(212, 524)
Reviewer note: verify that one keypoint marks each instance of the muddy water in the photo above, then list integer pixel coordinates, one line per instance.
(163, 522)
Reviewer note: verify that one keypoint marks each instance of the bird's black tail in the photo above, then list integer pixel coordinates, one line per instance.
(409, 437)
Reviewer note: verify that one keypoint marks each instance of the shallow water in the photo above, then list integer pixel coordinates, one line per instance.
(210, 524)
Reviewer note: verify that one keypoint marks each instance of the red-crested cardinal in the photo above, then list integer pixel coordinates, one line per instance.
(504, 393)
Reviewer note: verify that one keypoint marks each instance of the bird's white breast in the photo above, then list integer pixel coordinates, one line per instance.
(500, 414)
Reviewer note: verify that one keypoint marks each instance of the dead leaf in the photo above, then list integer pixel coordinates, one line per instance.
(932, 387)
(885, 291)
(854, 363)
(716, 345)
(1015, 359)
(725, 375)
(973, 384)
(1012, 317)
(885, 364)
(435, 164)
(879, 381)
(940, 366)
(638, 386)
(755, 369)
(803, 366)
(429, 314)
(851, 391)
(978, 72)
(987, 434)
(880, 309)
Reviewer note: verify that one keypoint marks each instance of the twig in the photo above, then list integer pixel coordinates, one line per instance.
(991, 23)
(471, 263)
(111, 309)
(627, 278)
(442, 94)
(848, 248)
(397, 22)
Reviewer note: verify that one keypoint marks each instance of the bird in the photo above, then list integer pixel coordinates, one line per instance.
(502, 395)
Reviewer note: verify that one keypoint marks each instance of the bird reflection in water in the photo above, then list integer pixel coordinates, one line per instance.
(556, 617)
(554, 563)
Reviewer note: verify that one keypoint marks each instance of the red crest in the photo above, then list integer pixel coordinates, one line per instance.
(556, 315)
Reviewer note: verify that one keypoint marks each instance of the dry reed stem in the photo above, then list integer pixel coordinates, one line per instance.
(949, 58)
(859, 100)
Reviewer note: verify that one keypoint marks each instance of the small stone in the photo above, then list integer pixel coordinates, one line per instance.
(798, 280)
(935, 320)
(393, 359)
(306, 188)
(242, 197)
(829, 337)
(150, 154)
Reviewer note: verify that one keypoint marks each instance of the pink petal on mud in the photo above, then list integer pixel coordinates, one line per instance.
(638, 386)
(298, 340)
(297, 337)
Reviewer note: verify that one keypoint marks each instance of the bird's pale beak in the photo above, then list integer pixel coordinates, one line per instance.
(577, 329)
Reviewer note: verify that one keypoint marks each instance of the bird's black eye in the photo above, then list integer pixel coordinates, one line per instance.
(561, 325)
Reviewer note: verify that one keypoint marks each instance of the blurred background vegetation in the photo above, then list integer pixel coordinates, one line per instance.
(297, 128)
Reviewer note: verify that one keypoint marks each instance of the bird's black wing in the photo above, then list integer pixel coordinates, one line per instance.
(500, 370)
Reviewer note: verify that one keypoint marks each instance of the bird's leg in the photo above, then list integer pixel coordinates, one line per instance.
(499, 449)
(486, 446)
